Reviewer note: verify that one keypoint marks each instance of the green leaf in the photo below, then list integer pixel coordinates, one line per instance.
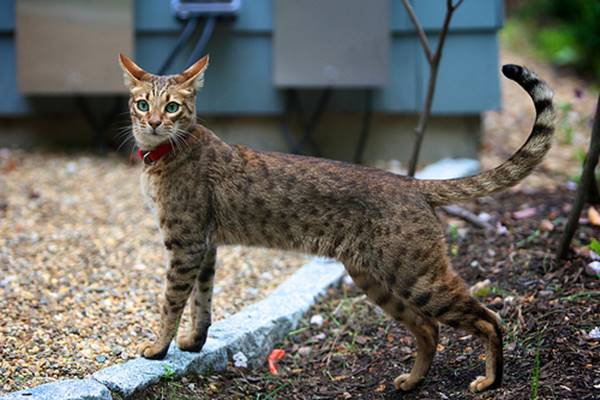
(595, 246)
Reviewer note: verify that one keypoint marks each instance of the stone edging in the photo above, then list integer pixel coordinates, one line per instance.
(253, 331)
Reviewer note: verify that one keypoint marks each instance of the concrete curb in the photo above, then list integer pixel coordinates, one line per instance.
(253, 331)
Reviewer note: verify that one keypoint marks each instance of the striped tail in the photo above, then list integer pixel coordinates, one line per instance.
(517, 167)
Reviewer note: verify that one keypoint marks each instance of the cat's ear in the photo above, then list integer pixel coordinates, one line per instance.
(132, 73)
(192, 78)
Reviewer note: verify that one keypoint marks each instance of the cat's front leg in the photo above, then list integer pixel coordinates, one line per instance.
(184, 263)
(200, 306)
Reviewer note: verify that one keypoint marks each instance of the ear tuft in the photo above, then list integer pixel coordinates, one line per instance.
(132, 73)
(193, 77)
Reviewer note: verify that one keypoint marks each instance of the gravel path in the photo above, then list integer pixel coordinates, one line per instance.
(81, 267)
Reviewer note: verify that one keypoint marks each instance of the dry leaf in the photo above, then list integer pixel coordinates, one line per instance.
(546, 225)
(525, 213)
(594, 216)
(380, 388)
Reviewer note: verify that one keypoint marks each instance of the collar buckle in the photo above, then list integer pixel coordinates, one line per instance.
(146, 158)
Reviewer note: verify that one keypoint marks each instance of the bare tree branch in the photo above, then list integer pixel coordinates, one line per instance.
(468, 216)
(434, 62)
(587, 178)
(420, 32)
(455, 6)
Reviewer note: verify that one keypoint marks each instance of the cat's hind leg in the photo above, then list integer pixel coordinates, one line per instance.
(424, 329)
(449, 302)
(200, 306)
(475, 318)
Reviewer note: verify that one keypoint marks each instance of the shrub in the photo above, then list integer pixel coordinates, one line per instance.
(567, 31)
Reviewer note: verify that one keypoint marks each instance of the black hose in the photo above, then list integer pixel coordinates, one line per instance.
(184, 36)
(365, 128)
(207, 32)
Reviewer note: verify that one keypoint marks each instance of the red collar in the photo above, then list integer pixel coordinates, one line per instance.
(152, 156)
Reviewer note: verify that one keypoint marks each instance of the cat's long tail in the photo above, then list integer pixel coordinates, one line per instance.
(517, 167)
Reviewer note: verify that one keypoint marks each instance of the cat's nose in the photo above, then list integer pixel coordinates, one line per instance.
(154, 123)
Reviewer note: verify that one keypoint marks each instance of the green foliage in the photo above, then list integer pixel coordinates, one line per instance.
(595, 246)
(535, 374)
(168, 373)
(564, 123)
(566, 32)
(453, 231)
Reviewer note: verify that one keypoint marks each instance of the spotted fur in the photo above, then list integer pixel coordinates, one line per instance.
(382, 226)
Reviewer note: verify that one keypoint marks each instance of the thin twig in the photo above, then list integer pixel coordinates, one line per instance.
(434, 62)
(587, 179)
(420, 32)
(468, 216)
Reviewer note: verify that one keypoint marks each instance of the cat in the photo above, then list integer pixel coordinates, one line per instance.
(382, 226)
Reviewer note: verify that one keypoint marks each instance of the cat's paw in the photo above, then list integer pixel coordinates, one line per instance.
(153, 351)
(405, 383)
(189, 341)
(480, 384)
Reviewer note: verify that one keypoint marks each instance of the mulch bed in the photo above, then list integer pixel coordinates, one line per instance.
(548, 311)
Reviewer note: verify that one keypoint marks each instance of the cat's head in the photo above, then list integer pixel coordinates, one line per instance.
(162, 108)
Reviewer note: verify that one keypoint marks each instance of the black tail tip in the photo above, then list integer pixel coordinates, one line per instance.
(512, 71)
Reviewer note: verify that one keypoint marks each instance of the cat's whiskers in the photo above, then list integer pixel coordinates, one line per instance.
(128, 139)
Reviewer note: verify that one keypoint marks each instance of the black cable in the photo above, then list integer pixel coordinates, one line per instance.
(365, 128)
(184, 36)
(207, 31)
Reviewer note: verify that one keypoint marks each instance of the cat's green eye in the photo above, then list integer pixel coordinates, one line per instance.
(172, 107)
(143, 105)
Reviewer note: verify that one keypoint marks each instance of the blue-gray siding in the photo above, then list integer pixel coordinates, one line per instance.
(239, 79)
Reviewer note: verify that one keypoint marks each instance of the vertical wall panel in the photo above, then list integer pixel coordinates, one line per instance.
(468, 79)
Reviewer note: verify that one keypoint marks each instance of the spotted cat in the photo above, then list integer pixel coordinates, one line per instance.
(382, 226)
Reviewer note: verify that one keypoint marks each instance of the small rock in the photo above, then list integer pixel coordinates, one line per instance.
(571, 185)
(240, 360)
(448, 168)
(348, 280)
(4, 282)
(474, 264)
(71, 168)
(593, 269)
(545, 293)
(304, 351)
(316, 320)
(320, 336)
(191, 386)
(266, 275)
(485, 217)
(139, 267)
(101, 358)
(595, 333)
(501, 229)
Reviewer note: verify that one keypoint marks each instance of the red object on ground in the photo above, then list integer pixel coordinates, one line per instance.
(276, 354)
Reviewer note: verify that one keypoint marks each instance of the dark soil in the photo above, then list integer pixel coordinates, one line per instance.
(548, 309)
